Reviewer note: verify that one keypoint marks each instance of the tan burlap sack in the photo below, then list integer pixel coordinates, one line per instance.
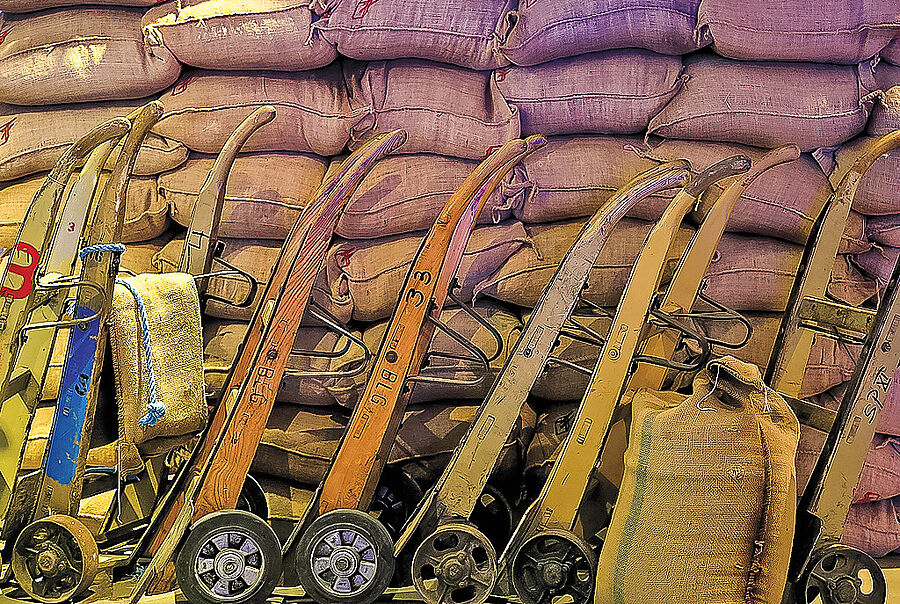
(573, 176)
(76, 55)
(299, 442)
(405, 193)
(223, 338)
(879, 190)
(874, 527)
(522, 278)
(173, 315)
(370, 273)
(236, 34)
(264, 196)
(465, 34)
(613, 92)
(287, 501)
(313, 112)
(833, 31)
(146, 216)
(551, 29)
(445, 109)
(709, 484)
(138, 258)
(505, 322)
(784, 202)
(33, 138)
(24, 6)
(765, 104)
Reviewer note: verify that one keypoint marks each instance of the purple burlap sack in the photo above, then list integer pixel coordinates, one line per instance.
(884, 229)
(879, 190)
(466, 33)
(874, 527)
(765, 104)
(831, 31)
(891, 52)
(551, 29)
(445, 109)
(613, 92)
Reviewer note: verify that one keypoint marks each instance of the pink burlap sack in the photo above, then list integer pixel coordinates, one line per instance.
(757, 273)
(874, 527)
(878, 263)
(891, 52)
(833, 31)
(445, 109)
(523, 277)
(235, 34)
(369, 274)
(551, 29)
(783, 202)
(886, 112)
(889, 420)
(765, 104)
(465, 33)
(405, 193)
(880, 478)
(573, 176)
(24, 6)
(76, 55)
(613, 92)
(313, 111)
(33, 138)
(879, 190)
(264, 196)
(884, 229)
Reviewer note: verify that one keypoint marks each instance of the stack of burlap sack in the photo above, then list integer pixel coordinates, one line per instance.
(616, 85)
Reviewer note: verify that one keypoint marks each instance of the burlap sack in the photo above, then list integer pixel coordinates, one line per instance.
(299, 442)
(880, 478)
(370, 273)
(709, 484)
(874, 527)
(522, 278)
(884, 229)
(889, 419)
(613, 92)
(878, 263)
(405, 193)
(757, 273)
(146, 217)
(765, 104)
(465, 34)
(505, 322)
(138, 258)
(574, 176)
(264, 196)
(886, 112)
(313, 113)
(223, 338)
(796, 30)
(33, 138)
(84, 54)
(879, 189)
(891, 52)
(287, 502)
(552, 29)
(235, 34)
(24, 6)
(173, 314)
(444, 109)
(784, 202)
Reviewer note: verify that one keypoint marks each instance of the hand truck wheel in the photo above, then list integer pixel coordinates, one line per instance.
(553, 565)
(456, 564)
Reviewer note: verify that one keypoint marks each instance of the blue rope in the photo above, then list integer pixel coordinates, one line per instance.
(117, 248)
(155, 408)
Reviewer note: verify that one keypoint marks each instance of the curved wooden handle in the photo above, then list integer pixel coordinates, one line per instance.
(731, 166)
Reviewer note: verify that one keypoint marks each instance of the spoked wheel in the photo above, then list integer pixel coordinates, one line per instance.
(456, 564)
(494, 517)
(229, 556)
(552, 566)
(345, 556)
(842, 575)
(395, 499)
(253, 499)
(55, 558)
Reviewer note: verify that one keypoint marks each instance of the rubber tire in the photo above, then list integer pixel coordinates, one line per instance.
(234, 520)
(358, 521)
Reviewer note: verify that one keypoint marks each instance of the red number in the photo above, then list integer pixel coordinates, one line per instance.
(26, 272)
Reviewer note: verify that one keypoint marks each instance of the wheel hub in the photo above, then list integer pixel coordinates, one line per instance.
(344, 561)
(454, 569)
(229, 565)
(553, 574)
(845, 589)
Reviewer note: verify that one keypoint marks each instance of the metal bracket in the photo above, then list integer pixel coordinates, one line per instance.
(75, 322)
(722, 313)
(333, 323)
(836, 319)
(691, 333)
(231, 270)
